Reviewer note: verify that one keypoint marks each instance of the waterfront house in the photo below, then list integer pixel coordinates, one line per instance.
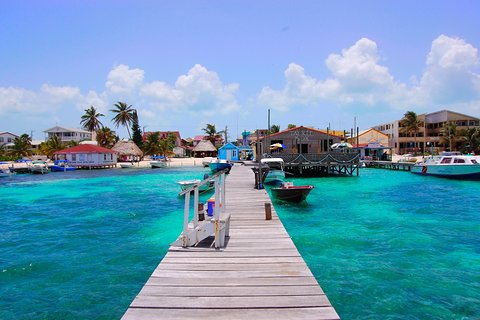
(372, 144)
(429, 135)
(205, 149)
(301, 139)
(235, 153)
(68, 134)
(6, 139)
(88, 156)
(127, 150)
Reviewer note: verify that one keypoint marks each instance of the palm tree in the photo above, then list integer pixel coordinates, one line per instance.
(275, 128)
(22, 146)
(410, 123)
(123, 115)
(106, 138)
(49, 147)
(471, 137)
(90, 120)
(449, 134)
(152, 144)
(212, 133)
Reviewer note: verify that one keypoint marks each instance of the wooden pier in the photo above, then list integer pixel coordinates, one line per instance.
(402, 166)
(259, 274)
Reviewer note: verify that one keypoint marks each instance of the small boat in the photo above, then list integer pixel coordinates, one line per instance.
(451, 165)
(5, 172)
(219, 165)
(38, 167)
(206, 161)
(158, 162)
(126, 165)
(276, 175)
(61, 166)
(184, 185)
(288, 192)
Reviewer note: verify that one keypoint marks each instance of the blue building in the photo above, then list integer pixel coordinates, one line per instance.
(235, 153)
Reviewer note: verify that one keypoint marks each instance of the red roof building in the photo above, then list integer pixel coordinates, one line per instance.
(88, 156)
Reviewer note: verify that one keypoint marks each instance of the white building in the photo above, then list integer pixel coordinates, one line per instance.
(6, 138)
(88, 156)
(68, 134)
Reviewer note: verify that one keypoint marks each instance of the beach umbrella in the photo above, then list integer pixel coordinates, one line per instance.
(341, 145)
(277, 146)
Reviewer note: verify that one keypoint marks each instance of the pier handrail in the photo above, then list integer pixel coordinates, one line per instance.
(219, 203)
(201, 183)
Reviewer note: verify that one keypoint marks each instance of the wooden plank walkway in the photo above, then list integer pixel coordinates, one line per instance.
(258, 275)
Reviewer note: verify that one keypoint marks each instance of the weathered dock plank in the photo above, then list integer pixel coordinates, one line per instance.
(259, 274)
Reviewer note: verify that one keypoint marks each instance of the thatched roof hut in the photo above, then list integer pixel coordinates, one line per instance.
(205, 149)
(127, 150)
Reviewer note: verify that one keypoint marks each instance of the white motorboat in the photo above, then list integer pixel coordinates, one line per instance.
(38, 167)
(158, 162)
(450, 165)
(184, 185)
(206, 161)
(5, 172)
(276, 175)
(126, 165)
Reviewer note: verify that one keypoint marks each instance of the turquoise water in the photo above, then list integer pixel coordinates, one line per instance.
(392, 245)
(80, 245)
(384, 245)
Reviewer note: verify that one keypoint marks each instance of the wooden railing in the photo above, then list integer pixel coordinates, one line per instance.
(219, 203)
(326, 157)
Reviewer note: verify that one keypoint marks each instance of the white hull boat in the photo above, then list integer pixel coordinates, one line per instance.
(38, 167)
(5, 173)
(276, 175)
(450, 165)
(126, 165)
(184, 185)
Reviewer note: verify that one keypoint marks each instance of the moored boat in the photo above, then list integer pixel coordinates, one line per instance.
(61, 165)
(38, 167)
(276, 174)
(451, 165)
(184, 185)
(219, 165)
(158, 162)
(126, 165)
(288, 192)
(5, 172)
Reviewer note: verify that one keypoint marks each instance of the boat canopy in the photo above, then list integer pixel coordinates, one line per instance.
(270, 160)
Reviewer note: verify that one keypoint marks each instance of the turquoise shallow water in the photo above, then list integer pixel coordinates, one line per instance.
(80, 245)
(385, 245)
(392, 245)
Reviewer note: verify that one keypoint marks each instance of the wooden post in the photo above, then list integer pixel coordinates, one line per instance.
(185, 219)
(195, 207)
(201, 212)
(268, 211)
(217, 211)
(222, 209)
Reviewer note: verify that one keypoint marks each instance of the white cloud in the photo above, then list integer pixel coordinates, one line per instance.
(122, 80)
(449, 77)
(200, 90)
(359, 80)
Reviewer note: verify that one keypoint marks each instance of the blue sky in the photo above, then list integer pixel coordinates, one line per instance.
(183, 64)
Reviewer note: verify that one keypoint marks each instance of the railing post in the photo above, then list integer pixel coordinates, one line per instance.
(217, 211)
(185, 219)
(224, 204)
(195, 207)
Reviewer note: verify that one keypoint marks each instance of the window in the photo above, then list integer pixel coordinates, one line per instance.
(446, 160)
(457, 160)
(1, 139)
